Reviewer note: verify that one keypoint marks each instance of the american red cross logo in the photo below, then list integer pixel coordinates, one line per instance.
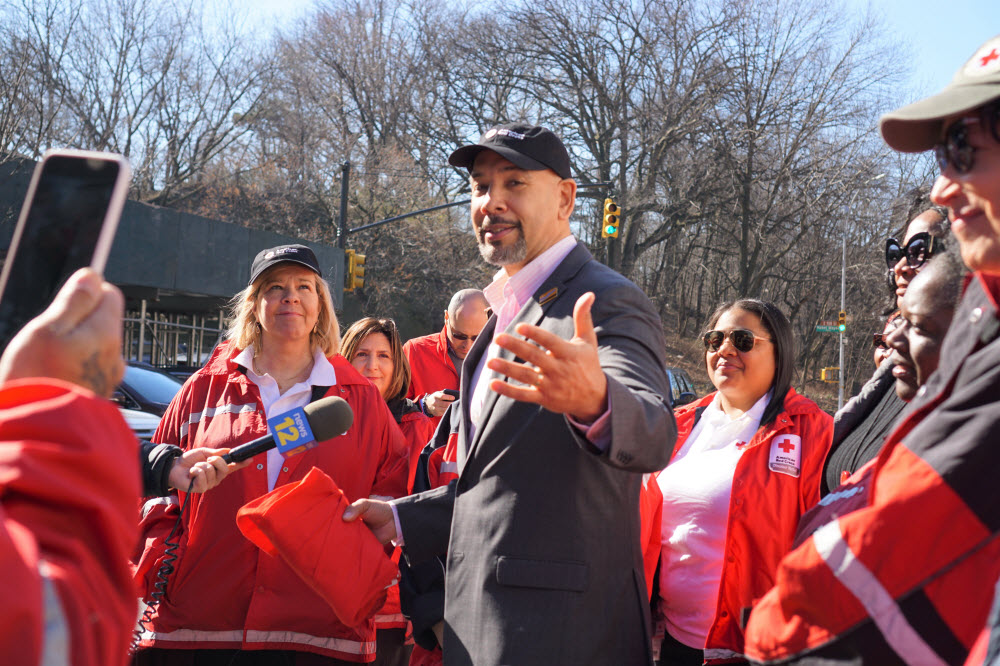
(787, 446)
(988, 58)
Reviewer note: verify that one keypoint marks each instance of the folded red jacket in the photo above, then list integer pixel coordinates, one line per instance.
(342, 562)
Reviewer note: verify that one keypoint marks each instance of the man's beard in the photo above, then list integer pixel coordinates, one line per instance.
(504, 255)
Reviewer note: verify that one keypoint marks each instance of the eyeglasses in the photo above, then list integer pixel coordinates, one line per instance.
(918, 250)
(956, 149)
(743, 339)
(462, 336)
(879, 339)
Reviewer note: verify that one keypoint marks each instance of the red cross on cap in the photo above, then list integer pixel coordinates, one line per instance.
(989, 57)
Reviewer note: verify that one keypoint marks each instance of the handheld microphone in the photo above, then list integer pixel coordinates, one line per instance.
(327, 418)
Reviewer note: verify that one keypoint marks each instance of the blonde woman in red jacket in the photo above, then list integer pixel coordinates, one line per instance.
(374, 349)
(747, 463)
(227, 601)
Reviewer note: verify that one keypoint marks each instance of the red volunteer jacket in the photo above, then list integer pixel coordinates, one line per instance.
(69, 480)
(650, 527)
(770, 492)
(431, 367)
(225, 592)
(907, 578)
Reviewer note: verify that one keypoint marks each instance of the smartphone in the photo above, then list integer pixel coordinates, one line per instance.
(452, 392)
(68, 221)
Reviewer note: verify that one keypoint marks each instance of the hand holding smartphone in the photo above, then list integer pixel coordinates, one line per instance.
(68, 221)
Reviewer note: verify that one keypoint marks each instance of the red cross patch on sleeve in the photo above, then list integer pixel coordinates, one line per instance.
(786, 455)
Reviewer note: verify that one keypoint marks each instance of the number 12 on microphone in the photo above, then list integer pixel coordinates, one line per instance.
(292, 432)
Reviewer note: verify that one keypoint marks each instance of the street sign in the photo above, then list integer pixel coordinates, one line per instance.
(827, 329)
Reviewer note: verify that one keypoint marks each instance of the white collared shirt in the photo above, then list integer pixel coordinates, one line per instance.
(697, 486)
(299, 395)
(506, 296)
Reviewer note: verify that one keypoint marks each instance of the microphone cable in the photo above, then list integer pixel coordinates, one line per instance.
(162, 576)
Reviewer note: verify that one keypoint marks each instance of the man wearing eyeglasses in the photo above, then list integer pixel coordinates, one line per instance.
(436, 359)
(908, 578)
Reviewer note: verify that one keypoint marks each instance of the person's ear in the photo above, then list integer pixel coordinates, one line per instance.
(567, 197)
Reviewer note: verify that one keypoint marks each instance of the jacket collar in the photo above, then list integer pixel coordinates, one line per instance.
(688, 415)
(222, 363)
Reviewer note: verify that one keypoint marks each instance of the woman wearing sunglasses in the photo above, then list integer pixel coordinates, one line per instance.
(924, 237)
(861, 426)
(746, 465)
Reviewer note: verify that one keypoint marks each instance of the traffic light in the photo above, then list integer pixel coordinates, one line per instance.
(830, 375)
(609, 228)
(359, 270)
(842, 321)
(355, 274)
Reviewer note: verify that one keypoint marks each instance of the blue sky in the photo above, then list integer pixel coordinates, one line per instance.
(939, 34)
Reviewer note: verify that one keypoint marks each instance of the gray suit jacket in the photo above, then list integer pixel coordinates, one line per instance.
(544, 564)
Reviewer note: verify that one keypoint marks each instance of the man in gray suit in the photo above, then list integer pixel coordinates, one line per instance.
(564, 406)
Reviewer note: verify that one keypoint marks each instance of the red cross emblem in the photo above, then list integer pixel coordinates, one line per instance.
(787, 446)
(989, 57)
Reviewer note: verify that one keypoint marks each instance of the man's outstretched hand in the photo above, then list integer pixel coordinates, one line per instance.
(564, 376)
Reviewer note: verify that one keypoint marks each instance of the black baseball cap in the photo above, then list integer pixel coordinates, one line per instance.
(297, 254)
(527, 146)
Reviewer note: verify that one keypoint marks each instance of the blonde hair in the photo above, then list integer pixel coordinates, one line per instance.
(245, 330)
(361, 329)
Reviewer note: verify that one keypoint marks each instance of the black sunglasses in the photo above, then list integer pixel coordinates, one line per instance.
(742, 339)
(919, 249)
(878, 340)
(956, 149)
(462, 336)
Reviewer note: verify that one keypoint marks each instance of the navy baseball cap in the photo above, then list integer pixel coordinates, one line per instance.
(528, 146)
(297, 254)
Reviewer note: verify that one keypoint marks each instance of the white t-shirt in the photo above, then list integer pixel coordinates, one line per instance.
(696, 487)
(298, 395)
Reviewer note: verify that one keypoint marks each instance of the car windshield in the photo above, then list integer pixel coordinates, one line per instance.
(153, 386)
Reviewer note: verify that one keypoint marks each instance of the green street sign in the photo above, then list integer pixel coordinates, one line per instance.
(828, 329)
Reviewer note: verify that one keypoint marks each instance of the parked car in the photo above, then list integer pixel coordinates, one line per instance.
(143, 396)
(681, 387)
(143, 424)
(146, 389)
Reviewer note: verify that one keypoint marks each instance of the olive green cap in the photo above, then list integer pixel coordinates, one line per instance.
(917, 127)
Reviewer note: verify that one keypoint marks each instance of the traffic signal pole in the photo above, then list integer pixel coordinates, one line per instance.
(345, 175)
(843, 288)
